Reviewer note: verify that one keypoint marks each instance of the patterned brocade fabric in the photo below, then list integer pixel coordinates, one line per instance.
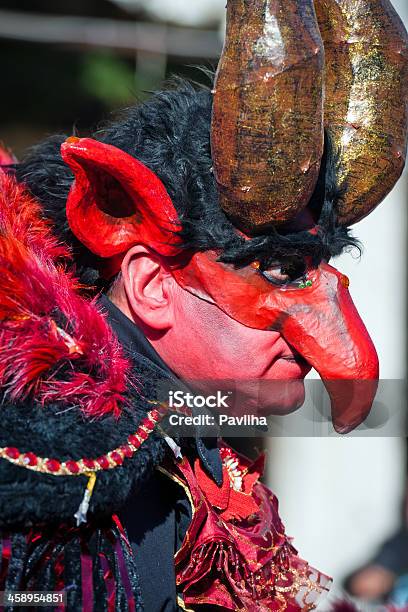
(235, 555)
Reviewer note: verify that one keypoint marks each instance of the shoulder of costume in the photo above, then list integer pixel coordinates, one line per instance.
(70, 405)
(235, 553)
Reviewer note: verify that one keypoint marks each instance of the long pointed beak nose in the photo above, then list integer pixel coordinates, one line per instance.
(320, 321)
(328, 332)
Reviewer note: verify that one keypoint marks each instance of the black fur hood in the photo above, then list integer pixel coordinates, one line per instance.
(31, 498)
(68, 388)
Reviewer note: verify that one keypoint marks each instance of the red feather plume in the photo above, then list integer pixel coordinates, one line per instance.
(45, 323)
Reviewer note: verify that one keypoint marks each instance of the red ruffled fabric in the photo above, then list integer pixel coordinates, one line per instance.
(235, 554)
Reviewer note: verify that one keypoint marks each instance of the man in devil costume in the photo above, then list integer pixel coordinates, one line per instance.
(200, 226)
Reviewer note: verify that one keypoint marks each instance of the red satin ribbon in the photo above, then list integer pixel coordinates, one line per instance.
(119, 525)
(59, 577)
(5, 560)
(109, 582)
(86, 579)
(86, 569)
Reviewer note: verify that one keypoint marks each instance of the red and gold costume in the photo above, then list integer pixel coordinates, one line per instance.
(307, 133)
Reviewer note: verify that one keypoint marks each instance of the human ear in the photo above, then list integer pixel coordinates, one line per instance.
(148, 287)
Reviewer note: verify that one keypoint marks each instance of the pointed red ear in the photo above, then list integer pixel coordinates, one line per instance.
(116, 201)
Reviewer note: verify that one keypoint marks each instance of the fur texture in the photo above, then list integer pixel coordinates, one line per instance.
(54, 344)
(170, 134)
(28, 498)
(61, 366)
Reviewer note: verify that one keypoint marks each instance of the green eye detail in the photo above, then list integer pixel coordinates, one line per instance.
(305, 284)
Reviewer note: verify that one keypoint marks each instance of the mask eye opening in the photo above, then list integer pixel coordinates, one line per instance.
(289, 270)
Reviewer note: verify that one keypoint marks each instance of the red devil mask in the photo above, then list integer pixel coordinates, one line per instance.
(116, 202)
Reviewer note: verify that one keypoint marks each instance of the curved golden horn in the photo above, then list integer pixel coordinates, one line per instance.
(366, 107)
(267, 128)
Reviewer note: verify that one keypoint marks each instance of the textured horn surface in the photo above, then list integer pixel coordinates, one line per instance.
(366, 106)
(267, 128)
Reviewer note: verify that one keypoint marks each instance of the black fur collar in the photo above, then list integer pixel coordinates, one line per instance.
(28, 498)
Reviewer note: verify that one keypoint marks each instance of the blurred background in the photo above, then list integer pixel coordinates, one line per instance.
(66, 66)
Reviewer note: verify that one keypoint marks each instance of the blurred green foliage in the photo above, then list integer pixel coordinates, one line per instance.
(50, 88)
(109, 78)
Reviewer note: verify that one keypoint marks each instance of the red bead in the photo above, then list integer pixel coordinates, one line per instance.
(103, 462)
(53, 465)
(72, 467)
(30, 459)
(13, 453)
(143, 434)
(127, 451)
(134, 441)
(89, 463)
(149, 424)
(116, 457)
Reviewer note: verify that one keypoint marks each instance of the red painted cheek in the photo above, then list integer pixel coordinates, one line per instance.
(244, 294)
(320, 322)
